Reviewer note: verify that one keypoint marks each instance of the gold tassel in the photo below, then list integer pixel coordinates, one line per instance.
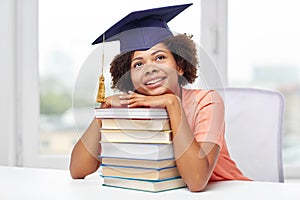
(101, 90)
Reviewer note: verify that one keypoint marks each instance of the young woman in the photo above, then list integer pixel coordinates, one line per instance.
(155, 78)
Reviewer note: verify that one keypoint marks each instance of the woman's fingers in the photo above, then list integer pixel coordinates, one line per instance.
(133, 99)
(130, 95)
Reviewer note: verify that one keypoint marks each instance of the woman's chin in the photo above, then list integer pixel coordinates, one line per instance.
(153, 91)
(157, 91)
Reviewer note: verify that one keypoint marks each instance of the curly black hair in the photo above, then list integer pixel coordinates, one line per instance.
(184, 51)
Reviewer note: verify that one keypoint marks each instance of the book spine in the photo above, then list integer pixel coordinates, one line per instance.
(135, 167)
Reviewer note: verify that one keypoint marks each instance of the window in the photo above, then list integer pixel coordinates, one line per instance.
(263, 43)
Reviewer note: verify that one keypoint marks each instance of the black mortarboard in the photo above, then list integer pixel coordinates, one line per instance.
(143, 29)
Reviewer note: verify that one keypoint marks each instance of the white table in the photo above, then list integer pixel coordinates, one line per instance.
(30, 183)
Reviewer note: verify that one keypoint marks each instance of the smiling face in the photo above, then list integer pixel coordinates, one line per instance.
(154, 71)
(180, 48)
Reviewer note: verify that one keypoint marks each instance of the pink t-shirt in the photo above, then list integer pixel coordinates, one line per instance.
(205, 113)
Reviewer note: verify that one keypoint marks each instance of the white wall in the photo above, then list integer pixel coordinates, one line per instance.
(7, 83)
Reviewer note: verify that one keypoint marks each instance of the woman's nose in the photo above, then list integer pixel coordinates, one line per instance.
(151, 71)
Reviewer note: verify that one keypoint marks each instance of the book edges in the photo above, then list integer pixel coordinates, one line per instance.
(130, 158)
(138, 159)
(136, 131)
(152, 191)
(135, 142)
(135, 167)
(143, 180)
(131, 113)
(145, 185)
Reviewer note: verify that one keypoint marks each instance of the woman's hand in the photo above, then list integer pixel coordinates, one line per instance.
(112, 101)
(133, 99)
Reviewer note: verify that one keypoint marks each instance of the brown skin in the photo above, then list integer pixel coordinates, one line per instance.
(84, 160)
(156, 74)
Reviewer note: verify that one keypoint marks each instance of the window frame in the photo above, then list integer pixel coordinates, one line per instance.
(27, 80)
(7, 86)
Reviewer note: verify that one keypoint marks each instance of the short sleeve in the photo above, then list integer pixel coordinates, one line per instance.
(205, 113)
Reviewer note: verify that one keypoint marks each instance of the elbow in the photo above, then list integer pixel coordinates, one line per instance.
(197, 185)
(76, 174)
(81, 171)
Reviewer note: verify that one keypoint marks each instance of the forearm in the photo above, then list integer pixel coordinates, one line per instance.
(191, 160)
(84, 157)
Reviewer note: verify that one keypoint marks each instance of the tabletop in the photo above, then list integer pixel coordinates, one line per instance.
(35, 183)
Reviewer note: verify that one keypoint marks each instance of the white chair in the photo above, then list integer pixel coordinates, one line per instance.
(254, 119)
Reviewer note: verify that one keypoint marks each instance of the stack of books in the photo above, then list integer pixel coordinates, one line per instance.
(137, 150)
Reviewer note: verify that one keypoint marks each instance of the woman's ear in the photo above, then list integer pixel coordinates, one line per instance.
(180, 72)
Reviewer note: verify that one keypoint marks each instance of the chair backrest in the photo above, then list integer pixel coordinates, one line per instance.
(254, 119)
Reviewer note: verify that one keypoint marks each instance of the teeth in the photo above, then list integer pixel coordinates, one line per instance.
(153, 81)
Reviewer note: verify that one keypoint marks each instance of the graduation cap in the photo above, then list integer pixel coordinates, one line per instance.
(140, 30)
(143, 29)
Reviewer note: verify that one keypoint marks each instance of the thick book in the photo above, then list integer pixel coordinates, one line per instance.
(138, 124)
(131, 113)
(138, 163)
(137, 151)
(139, 173)
(135, 136)
(148, 186)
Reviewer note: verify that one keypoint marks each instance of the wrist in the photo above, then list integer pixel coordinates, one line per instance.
(173, 104)
(105, 104)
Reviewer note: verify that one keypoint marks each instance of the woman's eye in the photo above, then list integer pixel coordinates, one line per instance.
(136, 65)
(160, 57)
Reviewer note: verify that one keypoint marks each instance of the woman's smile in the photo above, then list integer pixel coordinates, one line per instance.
(154, 81)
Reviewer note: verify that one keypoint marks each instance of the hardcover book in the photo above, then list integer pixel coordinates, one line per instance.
(140, 173)
(131, 113)
(138, 162)
(135, 136)
(137, 151)
(148, 186)
(132, 124)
